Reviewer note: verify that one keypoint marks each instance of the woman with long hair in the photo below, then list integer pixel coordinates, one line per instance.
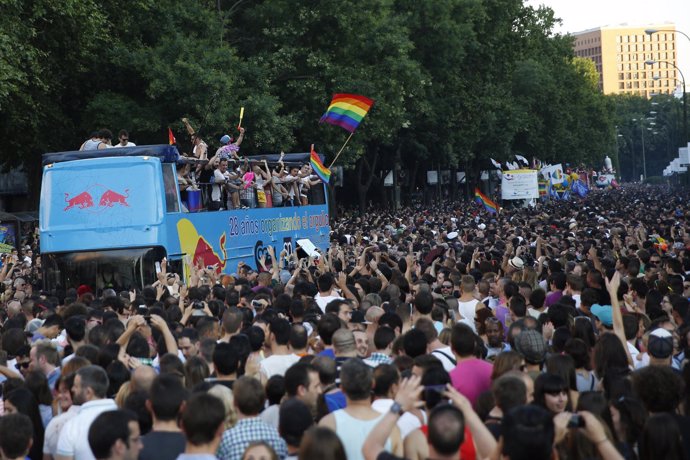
(609, 355)
(564, 367)
(585, 380)
(37, 383)
(195, 372)
(22, 401)
(505, 362)
(552, 393)
(661, 439)
(626, 416)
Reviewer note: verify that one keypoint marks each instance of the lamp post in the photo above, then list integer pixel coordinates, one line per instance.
(653, 31)
(651, 62)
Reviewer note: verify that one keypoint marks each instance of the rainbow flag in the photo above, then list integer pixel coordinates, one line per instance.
(323, 172)
(171, 137)
(347, 111)
(485, 201)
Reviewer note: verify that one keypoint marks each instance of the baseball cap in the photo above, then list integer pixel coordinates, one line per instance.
(660, 343)
(225, 139)
(604, 313)
(83, 289)
(531, 345)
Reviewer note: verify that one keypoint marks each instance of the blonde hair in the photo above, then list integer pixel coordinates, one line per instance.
(529, 275)
(122, 394)
(225, 394)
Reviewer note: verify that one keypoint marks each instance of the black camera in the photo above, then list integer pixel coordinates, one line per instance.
(198, 305)
(576, 421)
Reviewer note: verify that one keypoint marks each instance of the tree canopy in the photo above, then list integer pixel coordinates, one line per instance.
(455, 82)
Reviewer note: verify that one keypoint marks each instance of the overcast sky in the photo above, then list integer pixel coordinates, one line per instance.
(578, 15)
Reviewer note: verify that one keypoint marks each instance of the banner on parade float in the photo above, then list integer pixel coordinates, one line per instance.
(520, 184)
(605, 180)
(553, 173)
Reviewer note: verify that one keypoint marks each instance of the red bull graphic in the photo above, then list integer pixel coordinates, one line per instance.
(198, 248)
(81, 201)
(108, 199)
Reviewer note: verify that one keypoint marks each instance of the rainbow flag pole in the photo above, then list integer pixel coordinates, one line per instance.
(341, 150)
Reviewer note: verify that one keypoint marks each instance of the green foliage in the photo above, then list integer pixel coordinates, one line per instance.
(455, 82)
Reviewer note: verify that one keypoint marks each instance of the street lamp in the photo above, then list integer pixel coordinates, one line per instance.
(653, 31)
(651, 62)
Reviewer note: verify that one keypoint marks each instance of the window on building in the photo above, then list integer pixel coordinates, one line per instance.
(621, 85)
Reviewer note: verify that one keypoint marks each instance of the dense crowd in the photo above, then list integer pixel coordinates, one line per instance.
(555, 331)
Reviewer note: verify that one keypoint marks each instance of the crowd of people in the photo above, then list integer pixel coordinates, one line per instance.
(226, 180)
(559, 331)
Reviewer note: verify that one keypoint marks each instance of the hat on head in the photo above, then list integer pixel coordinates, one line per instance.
(33, 325)
(225, 139)
(285, 276)
(603, 313)
(531, 345)
(517, 263)
(660, 343)
(83, 289)
(452, 235)
(481, 226)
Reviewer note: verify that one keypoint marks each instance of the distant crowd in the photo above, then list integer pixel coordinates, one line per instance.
(559, 331)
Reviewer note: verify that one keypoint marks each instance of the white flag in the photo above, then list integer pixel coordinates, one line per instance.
(495, 163)
(523, 159)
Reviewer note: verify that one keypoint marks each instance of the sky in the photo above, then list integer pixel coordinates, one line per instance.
(579, 15)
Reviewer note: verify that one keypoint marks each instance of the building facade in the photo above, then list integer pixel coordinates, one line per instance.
(619, 54)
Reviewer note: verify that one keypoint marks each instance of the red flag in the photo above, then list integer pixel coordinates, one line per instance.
(171, 137)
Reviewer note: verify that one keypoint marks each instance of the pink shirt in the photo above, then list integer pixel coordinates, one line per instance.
(472, 378)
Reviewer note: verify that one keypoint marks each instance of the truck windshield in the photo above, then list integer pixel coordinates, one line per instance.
(119, 269)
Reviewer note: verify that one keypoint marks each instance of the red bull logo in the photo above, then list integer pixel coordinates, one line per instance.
(108, 199)
(111, 198)
(199, 249)
(81, 201)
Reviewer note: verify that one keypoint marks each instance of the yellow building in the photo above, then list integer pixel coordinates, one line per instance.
(619, 54)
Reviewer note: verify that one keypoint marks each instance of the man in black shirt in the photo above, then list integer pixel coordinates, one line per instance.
(165, 441)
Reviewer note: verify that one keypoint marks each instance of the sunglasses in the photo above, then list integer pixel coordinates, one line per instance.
(22, 365)
(447, 286)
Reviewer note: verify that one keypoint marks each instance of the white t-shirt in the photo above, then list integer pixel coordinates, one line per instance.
(54, 429)
(277, 364)
(74, 437)
(467, 310)
(444, 355)
(578, 299)
(633, 350)
(218, 179)
(407, 422)
(322, 301)
(129, 144)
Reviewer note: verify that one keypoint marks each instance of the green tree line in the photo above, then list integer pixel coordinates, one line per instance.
(455, 82)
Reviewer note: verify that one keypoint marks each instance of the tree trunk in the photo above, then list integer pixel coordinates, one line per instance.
(364, 182)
